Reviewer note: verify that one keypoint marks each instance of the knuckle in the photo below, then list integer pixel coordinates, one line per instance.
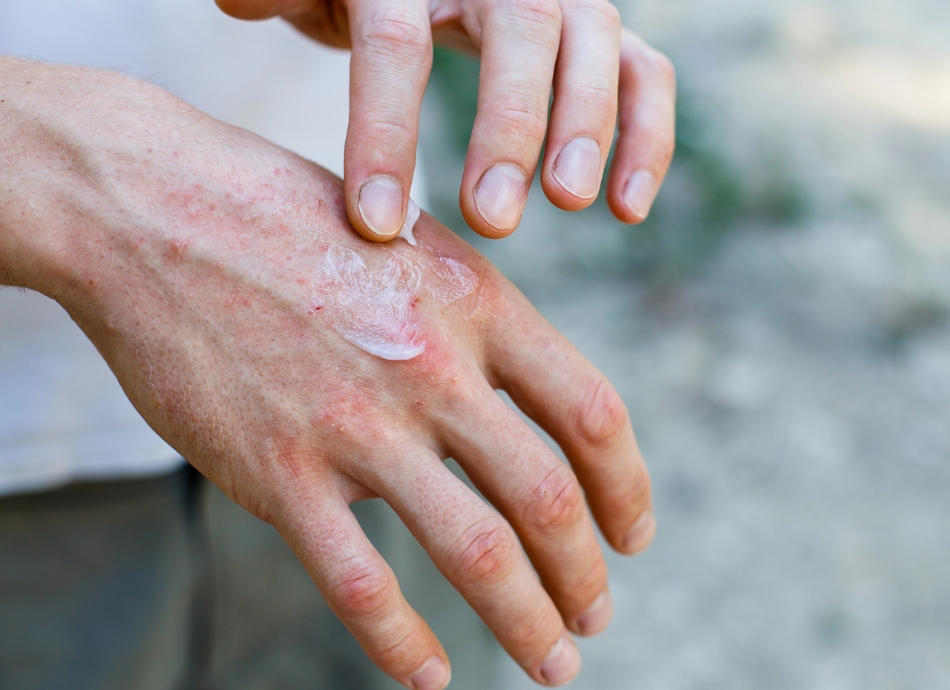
(662, 66)
(638, 493)
(515, 117)
(401, 650)
(596, 98)
(382, 128)
(485, 553)
(541, 16)
(601, 416)
(603, 12)
(557, 503)
(594, 580)
(363, 589)
(627, 505)
(399, 32)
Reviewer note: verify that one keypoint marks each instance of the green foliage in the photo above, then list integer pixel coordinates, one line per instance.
(455, 77)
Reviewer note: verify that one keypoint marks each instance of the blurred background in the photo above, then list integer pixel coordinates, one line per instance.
(779, 327)
(780, 331)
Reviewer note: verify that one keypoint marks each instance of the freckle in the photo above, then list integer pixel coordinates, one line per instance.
(92, 283)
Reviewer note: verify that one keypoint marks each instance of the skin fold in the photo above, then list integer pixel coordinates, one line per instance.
(189, 252)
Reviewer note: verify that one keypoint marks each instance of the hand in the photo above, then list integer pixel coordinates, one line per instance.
(526, 47)
(218, 276)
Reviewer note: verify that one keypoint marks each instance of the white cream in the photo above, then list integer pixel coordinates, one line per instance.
(412, 217)
(376, 308)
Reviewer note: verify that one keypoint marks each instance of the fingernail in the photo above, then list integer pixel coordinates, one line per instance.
(597, 615)
(577, 167)
(640, 535)
(500, 196)
(562, 663)
(434, 674)
(381, 205)
(639, 193)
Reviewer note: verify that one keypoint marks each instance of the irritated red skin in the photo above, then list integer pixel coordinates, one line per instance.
(187, 249)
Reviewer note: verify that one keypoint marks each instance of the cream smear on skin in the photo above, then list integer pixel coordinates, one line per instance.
(375, 308)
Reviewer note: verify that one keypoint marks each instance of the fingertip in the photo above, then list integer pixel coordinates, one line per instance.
(597, 616)
(498, 200)
(434, 674)
(574, 179)
(639, 536)
(637, 197)
(381, 209)
(562, 663)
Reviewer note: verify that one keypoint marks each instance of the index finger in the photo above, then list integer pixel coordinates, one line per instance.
(392, 58)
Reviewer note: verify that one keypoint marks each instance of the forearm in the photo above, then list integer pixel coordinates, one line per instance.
(57, 125)
(34, 173)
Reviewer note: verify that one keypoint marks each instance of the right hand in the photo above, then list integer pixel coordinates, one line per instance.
(599, 73)
(189, 252)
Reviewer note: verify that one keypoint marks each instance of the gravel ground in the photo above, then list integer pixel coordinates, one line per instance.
(781, 334)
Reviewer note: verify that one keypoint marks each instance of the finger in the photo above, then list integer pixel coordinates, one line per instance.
(362, 591)
(476, 549)
(392, 58)
(647, 129)
(585, 103)
(554, 385)
(541, 498)
(519, 48)
(260, 9)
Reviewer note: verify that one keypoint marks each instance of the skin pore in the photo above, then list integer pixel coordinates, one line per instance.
(194, 256)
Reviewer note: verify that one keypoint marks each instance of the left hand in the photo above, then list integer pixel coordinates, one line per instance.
(527, 47)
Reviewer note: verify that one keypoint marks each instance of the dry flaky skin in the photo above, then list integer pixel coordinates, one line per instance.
(192, 254)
